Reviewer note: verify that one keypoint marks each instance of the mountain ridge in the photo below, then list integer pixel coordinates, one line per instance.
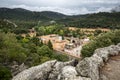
(23, 12)
(101, 19)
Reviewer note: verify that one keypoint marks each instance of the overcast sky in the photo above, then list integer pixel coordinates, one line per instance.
(69, 7)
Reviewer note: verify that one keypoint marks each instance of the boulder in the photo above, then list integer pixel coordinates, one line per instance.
(57, 69)
(89, 67)
(69, 73)
(38, 72)
(46, 71)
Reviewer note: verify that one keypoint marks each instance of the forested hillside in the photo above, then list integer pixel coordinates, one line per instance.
(28, 18)
(102, 19)
(25, 18)
(26, 15)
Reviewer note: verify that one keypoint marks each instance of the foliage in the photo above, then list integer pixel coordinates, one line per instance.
(61, 57)
(50, 45)
(100, 41)
(28, 19)
(45, 51)
(97, 32)
(24, 50)
(10, 49)
(102, 20)
(6, 26)
(36, 41)
(5, 74)
(58, 29)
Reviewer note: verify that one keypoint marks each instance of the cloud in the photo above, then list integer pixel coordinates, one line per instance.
(58, 3)
(35, 8)
(70, 7)
(103, 9)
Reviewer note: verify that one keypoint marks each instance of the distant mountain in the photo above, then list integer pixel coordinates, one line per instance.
(53, 15)
(101, 20)
(26, 18)
(116, 9)
(21, 10)
(23, 14)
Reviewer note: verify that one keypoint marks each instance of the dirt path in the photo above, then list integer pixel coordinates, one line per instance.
(111, 71)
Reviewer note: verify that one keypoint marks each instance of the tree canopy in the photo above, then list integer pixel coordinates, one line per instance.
(101, 41)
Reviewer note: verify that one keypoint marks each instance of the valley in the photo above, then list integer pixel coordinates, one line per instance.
(33, 38)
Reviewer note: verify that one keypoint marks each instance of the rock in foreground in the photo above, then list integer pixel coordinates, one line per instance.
(86, 69)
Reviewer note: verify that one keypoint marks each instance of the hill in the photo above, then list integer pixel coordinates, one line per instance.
(28, 18)
(7, 26)
(102, 20)
(22, 14)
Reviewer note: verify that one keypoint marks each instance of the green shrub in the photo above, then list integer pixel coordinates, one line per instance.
(45, 51)
(100, 41)
(10, 49)
(5, 74)
(61, 57)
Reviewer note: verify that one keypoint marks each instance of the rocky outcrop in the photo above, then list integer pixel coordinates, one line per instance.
(16, 68)
(37, 72)
(69, 73)
(46, 71)
(89, 67)
(86, 69)
(57, 69)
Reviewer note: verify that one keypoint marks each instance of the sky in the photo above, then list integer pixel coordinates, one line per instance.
(68, 7)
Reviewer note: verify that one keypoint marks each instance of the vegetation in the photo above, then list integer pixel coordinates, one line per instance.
(101, 20)
(10, 49)
(100, 41)
(32, 51)
(24, 50)
(58, 29)
(50, 45)
(27, 19)
(5, 74)
(6, 26)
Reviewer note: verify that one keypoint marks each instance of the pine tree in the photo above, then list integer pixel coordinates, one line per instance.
(50, 45)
